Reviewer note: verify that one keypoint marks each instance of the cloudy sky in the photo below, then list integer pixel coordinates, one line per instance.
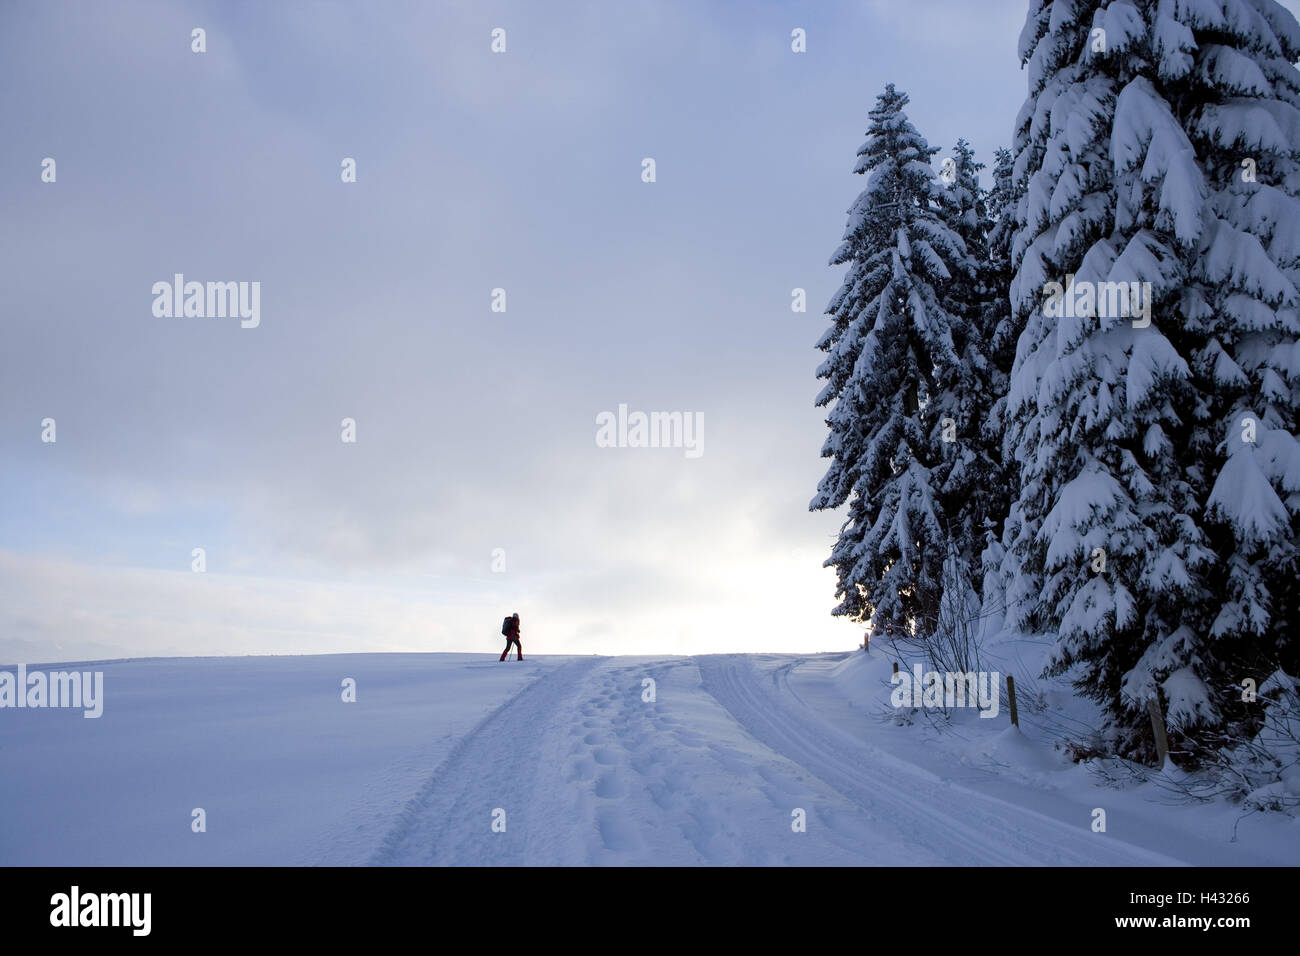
(475, 429)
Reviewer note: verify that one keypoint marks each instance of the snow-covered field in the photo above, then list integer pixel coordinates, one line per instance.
(712, 771)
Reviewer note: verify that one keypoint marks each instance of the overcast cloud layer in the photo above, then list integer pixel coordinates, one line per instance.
(475, 429)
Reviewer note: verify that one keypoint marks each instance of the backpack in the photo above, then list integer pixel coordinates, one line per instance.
(505, 626)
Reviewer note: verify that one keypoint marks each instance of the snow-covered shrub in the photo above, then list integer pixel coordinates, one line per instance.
(1264, 770)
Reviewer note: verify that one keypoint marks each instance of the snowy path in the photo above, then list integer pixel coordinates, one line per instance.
(589, 773)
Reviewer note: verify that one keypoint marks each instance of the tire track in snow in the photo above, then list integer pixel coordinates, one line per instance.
(958, 825)
(495, 765)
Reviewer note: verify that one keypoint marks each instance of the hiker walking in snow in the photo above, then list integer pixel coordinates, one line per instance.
(510, 628)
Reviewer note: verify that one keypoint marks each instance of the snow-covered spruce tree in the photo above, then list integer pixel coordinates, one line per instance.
(1228, 73)
(971, 491)
(890, 354)
(1123, 538)
(1055, 71)
(999, 332)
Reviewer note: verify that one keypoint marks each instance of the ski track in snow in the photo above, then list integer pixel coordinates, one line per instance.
(957, 824)
(494, 765)
(589, 773)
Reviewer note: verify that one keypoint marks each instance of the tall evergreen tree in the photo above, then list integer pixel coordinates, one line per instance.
(891, 352)
(1144, 533)
(1227, 75)
(968, 492)
(999, 330)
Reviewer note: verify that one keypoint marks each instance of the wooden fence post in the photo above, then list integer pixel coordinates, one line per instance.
(1011, 697)
(1158, 729)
